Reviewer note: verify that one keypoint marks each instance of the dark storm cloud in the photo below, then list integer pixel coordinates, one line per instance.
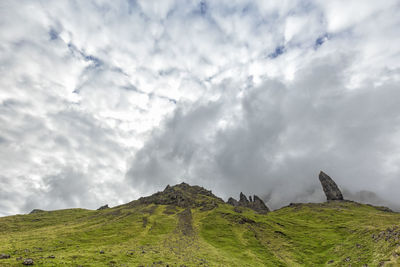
(64, 189)
(169, 155)
(280, 139)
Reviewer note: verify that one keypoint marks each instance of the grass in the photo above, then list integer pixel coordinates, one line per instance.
(325, 234)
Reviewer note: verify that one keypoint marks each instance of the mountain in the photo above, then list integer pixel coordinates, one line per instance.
(368, 197)
(189, 226)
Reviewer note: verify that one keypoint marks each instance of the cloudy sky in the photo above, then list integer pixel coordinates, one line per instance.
(105, 101)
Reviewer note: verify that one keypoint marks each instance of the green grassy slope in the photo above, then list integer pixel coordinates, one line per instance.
(332, 234)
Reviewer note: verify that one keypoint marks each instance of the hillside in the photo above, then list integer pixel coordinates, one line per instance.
(189, 226)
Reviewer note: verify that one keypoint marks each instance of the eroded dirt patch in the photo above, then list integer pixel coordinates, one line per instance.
(185, 222)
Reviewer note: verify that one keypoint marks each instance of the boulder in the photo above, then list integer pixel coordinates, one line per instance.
(330, 188)
(27, 262)
(4, 256)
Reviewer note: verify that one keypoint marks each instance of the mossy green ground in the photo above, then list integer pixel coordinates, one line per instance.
(331, 234)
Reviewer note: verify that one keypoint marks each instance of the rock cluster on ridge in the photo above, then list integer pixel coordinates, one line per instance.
(254, 203)
(330, 188)
(184, 195)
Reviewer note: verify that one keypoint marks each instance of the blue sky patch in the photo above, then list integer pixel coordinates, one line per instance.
(279, 50)
(53, 34)
(321, 40)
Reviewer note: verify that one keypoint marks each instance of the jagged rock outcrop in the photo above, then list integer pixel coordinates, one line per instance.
(254, 203)
(183, 195)
(104, 207)
(243, 201)
(330, 188)
(259, 205)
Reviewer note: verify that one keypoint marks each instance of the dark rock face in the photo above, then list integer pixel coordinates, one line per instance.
(183, 195)
(104, 207)
(330, 188)
(254, 203)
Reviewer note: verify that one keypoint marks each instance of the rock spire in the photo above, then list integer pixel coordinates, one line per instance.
(330, 188)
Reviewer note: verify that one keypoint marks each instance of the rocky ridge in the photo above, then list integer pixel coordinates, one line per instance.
(187, 196)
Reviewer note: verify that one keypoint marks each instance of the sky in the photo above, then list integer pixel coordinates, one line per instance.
(102, 102)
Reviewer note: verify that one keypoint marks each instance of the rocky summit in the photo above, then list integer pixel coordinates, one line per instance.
(183, 195)
(330, 188)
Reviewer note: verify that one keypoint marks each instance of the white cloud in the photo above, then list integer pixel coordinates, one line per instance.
(87, 87)
(341, 15)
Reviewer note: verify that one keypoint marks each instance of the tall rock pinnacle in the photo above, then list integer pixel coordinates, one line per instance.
(243, 201)
(259, 205)
(331, 190)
